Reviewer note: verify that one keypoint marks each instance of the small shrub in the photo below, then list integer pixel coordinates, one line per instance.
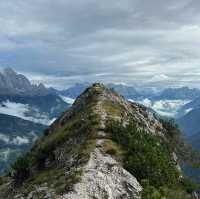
(189, 185)
(20, 169)
(164, 192)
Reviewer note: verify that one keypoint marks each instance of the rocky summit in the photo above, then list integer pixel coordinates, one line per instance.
(103, 147)
(12, 83)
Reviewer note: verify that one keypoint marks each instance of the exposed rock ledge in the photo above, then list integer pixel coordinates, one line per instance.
(103, 177)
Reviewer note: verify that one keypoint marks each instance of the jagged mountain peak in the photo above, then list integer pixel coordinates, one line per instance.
(102, 147)
(12, 83)
(8, 71)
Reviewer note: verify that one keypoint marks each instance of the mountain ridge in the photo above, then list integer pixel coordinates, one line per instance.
(81, 155)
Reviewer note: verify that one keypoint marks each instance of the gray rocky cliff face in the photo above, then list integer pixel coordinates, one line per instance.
(104, 177)
(18, 84)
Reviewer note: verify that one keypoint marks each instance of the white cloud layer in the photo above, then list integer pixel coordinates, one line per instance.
(23, 111)
(167, 108)
(18, 140)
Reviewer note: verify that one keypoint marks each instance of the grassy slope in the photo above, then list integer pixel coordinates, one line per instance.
(72, 139)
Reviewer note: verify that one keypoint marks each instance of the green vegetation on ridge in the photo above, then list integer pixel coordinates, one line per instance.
(56, 158)
(149, 159)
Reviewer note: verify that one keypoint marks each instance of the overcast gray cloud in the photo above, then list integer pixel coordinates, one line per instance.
(133, 41)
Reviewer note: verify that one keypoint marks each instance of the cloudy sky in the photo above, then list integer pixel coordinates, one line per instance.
(139, 42)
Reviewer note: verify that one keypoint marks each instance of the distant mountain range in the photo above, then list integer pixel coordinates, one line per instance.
(74, 91)
(171, 102)
(178, 94)
(135, 93)
(180, 103)
(128, 92)
(37, 104)
(12, 83)
(25, 111)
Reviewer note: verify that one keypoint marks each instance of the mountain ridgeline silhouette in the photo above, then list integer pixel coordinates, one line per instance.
(13, 83)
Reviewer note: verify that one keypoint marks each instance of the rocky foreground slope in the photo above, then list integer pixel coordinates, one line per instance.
(103, 147)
